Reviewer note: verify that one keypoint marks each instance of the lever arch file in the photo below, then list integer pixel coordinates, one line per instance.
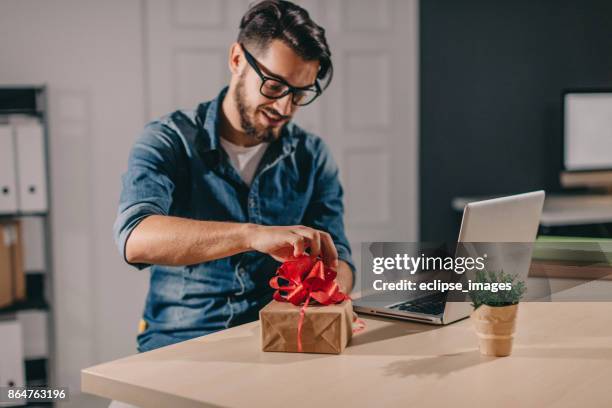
(8, 181)
(31, 175)
(12, 373)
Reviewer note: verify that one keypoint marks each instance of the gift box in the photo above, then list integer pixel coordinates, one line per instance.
(309, 312)
(324, 328)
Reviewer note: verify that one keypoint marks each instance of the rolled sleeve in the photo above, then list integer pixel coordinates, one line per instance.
(148, 184)
(326, 209)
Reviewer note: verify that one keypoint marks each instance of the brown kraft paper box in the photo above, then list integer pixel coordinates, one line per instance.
(6, 273)
(326, 329)
(13, 238)
(19, 278)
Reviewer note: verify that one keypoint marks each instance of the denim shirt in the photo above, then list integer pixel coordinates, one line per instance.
(177, 167)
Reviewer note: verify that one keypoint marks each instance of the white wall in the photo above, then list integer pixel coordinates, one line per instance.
(89, 54)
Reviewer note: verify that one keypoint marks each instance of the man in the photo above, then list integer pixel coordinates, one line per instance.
(214, 198)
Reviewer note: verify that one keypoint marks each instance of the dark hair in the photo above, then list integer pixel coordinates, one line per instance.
(282, 20)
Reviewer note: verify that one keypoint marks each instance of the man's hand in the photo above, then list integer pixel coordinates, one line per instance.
(286, 243)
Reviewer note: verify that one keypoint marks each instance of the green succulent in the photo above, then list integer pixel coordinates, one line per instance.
(501, 297)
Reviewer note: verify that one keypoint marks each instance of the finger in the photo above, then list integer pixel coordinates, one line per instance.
(298, 245)
(314, 239)
(315, 245)
(328, 249)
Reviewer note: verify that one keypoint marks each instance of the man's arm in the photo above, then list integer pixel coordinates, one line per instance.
(167, 240)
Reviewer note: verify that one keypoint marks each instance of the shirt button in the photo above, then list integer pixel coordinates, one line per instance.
(242, 271)
(251, 202)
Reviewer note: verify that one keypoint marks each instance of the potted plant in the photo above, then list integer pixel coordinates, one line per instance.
(494, 315)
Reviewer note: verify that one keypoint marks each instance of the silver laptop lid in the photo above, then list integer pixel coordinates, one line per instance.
(506, 219)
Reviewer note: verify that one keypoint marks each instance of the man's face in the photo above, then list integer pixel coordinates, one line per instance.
(260, 117)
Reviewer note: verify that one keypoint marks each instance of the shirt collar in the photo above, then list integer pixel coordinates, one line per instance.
(211, 126)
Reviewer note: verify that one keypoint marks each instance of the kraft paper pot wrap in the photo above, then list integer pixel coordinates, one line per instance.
(495, 328)
(325, 329)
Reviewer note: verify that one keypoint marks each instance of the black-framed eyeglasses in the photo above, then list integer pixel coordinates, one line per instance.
(276, 88)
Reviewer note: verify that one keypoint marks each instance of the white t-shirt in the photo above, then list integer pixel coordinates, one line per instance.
(244, 159)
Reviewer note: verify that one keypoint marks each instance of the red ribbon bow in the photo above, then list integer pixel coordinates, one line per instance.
(299, 280)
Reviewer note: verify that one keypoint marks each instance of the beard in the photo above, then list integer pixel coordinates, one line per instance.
(248, 122)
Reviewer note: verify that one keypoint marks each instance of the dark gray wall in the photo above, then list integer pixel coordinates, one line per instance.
(492, 73)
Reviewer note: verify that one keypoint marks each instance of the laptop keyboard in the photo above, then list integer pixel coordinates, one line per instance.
(431, 304)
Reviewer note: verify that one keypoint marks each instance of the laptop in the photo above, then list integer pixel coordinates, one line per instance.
(512, 219)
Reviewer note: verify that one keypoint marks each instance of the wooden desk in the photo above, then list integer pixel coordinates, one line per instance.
(562, 358)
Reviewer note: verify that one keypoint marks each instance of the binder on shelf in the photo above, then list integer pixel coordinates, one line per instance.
(33, 237)
(31, 169)
(6, 270)
(18, 261)
(11, 354)
(12, 274)
(34, 329)
(8, 179)
(14, 231)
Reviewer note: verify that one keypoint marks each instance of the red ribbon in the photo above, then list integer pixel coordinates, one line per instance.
(300, 280)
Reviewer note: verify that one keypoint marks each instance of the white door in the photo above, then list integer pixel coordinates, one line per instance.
(368, 116)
